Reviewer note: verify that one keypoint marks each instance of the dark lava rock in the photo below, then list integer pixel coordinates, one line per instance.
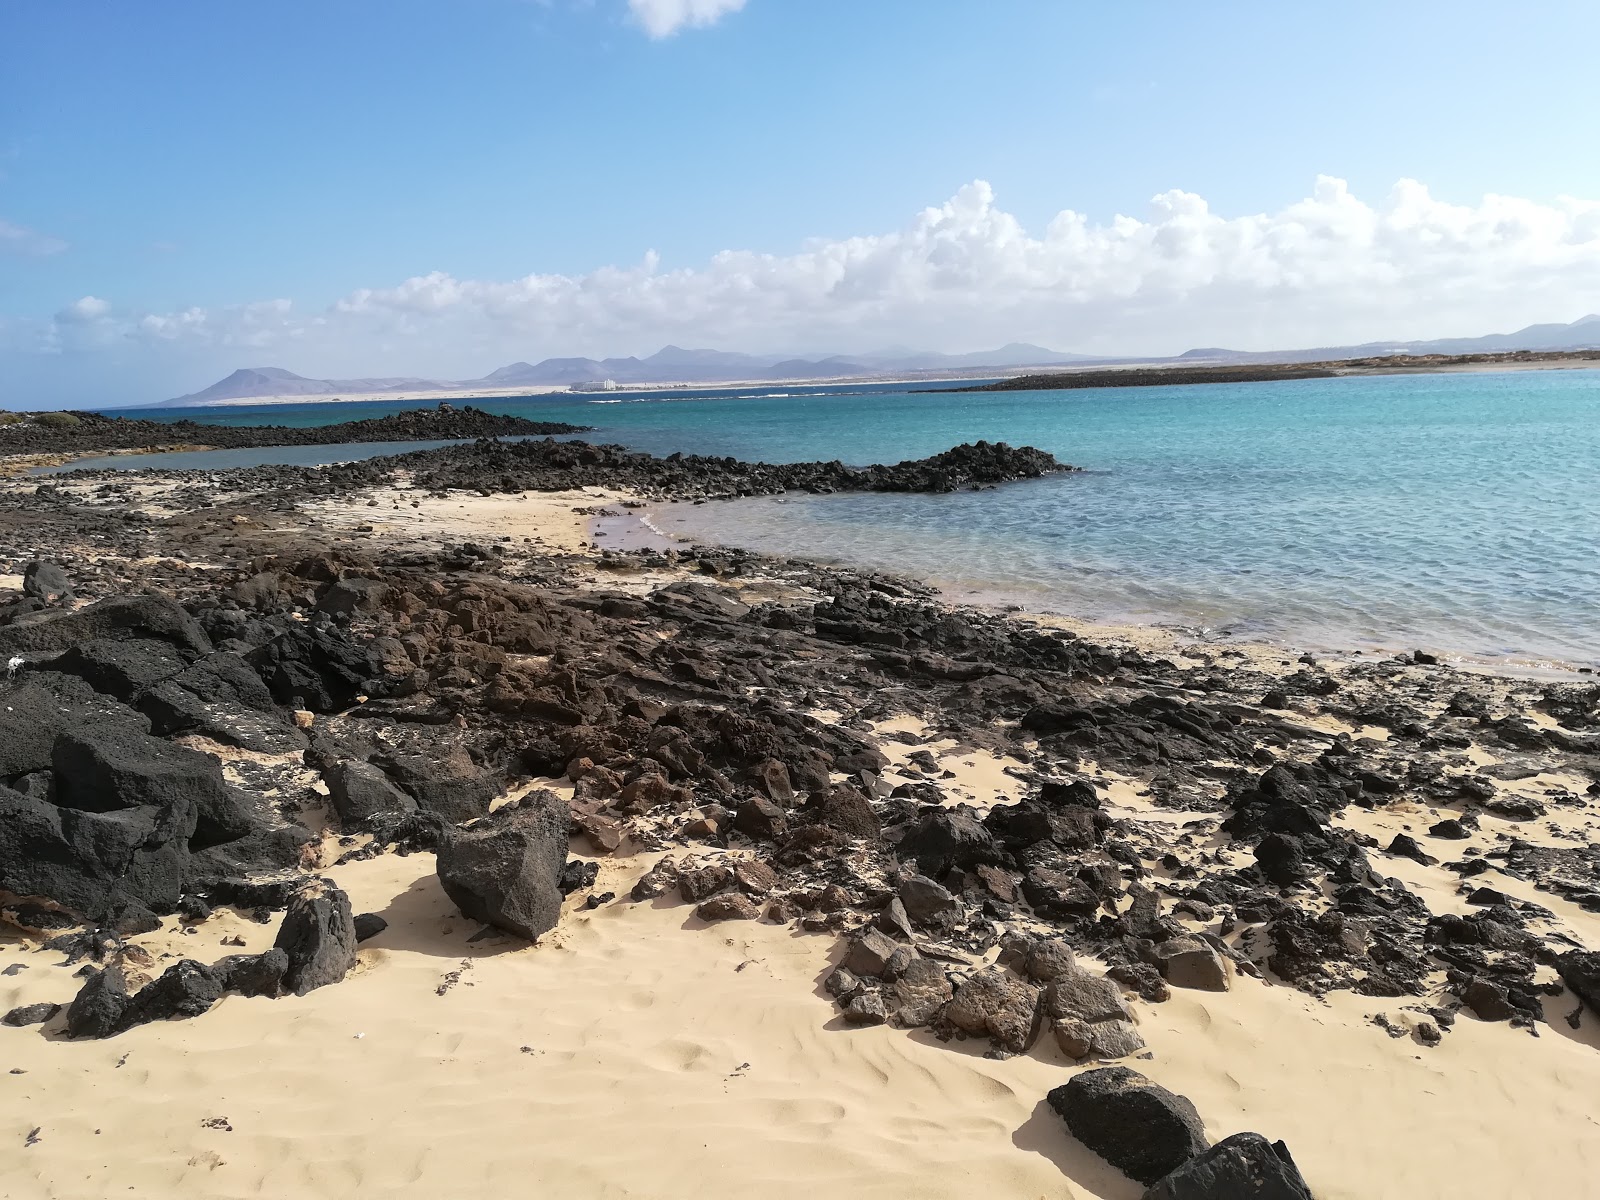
(97, 1010)
(1580, 971)
(30, 1014)
(361, 794)
(319, 936)
(947, 838)
(1243, 1167)
(121, 619)
(1137, 1126)
(1406, 846)
(506, 870)
(93, 863)
(45, 580)
(370, 925)
(760, 819)
(253, 974)
(185, 989)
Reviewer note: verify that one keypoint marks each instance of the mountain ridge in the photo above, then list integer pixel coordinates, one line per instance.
(676, 365)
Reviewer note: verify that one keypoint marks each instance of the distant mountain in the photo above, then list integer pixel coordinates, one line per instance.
(1582, 334)
(250, 382)
(673, 364)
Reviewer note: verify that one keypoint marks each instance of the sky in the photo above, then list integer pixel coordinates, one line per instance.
(440, 187)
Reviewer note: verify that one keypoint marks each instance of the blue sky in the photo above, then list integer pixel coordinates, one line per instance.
(174, 173)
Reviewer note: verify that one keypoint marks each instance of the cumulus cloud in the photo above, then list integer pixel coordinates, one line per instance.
(1329, 269)
(663, 18)
(14, 239)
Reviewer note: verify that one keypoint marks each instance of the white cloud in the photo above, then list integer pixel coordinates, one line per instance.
(14, 239)
(1330, 269)
(83, 311)
(663, 18)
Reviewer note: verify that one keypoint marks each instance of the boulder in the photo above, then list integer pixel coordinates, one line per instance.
(869, 953)
(45, 580)
(363, 796)
(122, 618)
(657, 881)
(1137, 1126)
(1243, 1167)
(106, 770)
(730, 906)
(98, 1008)
(997, 1005)
(185, 989)
(926, 902)
(866, 1008)
(506, 869)
(318, 935)
(30, 1014)
(1100, 1040)
(445, 782)
(253, 974)
(1076, 994)
(93, 863)
(947, 838)
(1580, 971)
(1190, 962)
(760, 819)
(370, 925)
(123, 668)
(919, 993)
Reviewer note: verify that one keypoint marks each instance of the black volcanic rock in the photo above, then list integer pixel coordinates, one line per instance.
(96, 432)
(1137, 1126)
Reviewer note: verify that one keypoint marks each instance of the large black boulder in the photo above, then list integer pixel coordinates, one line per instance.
(98, 1009)
(121, 667)
(446, 783)
(40, 707)
(93, 863)
(111, 770)
(1580, 971)
(362, 795)
(947, 838)
(253, 974)
(123, 618)
(506, 869)
(319, 936)
(1137, 1126)
(45, 580)
(316, 666)
(1243, 1167)
(185, 989)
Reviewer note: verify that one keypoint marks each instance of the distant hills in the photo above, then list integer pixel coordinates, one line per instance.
(673, 364)
(1582, 334)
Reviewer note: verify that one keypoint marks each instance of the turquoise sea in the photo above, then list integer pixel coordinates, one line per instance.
(1456, 512)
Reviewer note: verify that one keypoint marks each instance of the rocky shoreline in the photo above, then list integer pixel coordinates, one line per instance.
(83, 433)
(207, 668)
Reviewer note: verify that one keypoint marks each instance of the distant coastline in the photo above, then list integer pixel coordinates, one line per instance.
(1133, 374)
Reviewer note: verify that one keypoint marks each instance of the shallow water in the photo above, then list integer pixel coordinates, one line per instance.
(1458, 512)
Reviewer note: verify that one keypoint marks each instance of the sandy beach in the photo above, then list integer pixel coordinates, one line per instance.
(638, 1050)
